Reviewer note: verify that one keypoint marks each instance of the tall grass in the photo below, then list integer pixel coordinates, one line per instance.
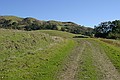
(31, 55)
(113, 42)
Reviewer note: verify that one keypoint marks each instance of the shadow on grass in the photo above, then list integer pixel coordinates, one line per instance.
(81, 36)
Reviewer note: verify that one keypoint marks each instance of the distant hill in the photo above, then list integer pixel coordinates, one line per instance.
(13, 22)
(13, 18)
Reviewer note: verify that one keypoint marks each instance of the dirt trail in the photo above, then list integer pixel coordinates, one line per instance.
(70, 69)
(103, 63)
(104, 67)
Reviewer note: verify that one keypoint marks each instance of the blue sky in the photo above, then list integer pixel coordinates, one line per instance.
(83, 12)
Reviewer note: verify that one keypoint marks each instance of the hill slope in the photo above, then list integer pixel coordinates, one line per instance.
(55, 55)
(13, 22)
(28, 55)
(13, 18)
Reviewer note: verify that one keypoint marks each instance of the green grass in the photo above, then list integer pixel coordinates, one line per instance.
(32, 55)
(13, 18)
(111, 41)
(17, 42)
(87, 69)
(58, 33)
(54, 63)
(113, 52)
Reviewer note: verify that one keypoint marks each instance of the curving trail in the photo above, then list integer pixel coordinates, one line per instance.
(88, 61)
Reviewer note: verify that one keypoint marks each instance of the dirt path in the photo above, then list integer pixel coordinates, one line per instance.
(70, 69)
(103, 63)
(88, 61)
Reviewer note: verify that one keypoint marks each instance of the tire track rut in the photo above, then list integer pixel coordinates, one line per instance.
(103, 63)
(69, 71)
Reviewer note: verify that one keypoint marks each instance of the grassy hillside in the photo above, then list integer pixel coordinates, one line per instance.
(54, 55)
(34, 55)
(13, 18)
(58, 33)
(20, 40)
(29, 24)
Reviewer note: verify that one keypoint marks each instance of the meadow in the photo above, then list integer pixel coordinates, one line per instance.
(31, 55)
(57, 55)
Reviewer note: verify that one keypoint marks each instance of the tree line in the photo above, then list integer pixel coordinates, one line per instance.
(109, 29)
